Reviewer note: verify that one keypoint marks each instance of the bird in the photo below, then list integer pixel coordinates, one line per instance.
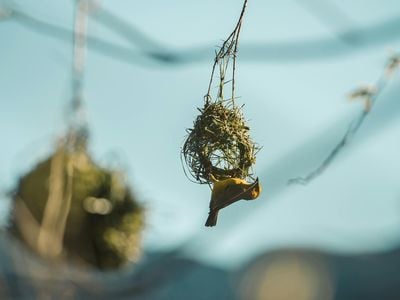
(227, 191)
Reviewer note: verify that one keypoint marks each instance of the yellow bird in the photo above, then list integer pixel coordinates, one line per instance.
(228, 191)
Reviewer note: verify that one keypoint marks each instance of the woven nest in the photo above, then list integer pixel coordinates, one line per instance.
(104, 221)
(219, 144)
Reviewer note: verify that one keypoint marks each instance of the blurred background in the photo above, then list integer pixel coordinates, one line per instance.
(145, 71)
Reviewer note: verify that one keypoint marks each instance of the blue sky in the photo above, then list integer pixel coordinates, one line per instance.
(296, 106)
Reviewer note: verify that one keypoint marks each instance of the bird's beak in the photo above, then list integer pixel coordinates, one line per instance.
(255, 184)
(257, 187)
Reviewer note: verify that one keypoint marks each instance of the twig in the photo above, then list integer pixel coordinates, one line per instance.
(229, 48)
(370, 96)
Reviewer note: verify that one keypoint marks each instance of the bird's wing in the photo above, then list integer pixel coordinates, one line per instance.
(231, 194)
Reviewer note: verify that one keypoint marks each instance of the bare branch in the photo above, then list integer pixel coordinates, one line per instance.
(369, 95)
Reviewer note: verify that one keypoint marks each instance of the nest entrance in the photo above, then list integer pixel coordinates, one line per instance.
(219, 144)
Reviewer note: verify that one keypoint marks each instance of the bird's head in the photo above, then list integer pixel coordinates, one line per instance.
(253, 190)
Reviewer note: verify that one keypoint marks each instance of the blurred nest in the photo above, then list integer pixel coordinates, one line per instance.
(219, 144)
(103, 221)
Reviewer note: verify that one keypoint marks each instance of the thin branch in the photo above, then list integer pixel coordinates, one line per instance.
(229, 48)
(369, 96)
(239, 27)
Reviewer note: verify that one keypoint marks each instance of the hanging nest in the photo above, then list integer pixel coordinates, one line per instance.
(103, 219)
(219, 144)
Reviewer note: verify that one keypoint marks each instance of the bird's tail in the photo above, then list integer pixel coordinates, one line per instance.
(212, 218)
